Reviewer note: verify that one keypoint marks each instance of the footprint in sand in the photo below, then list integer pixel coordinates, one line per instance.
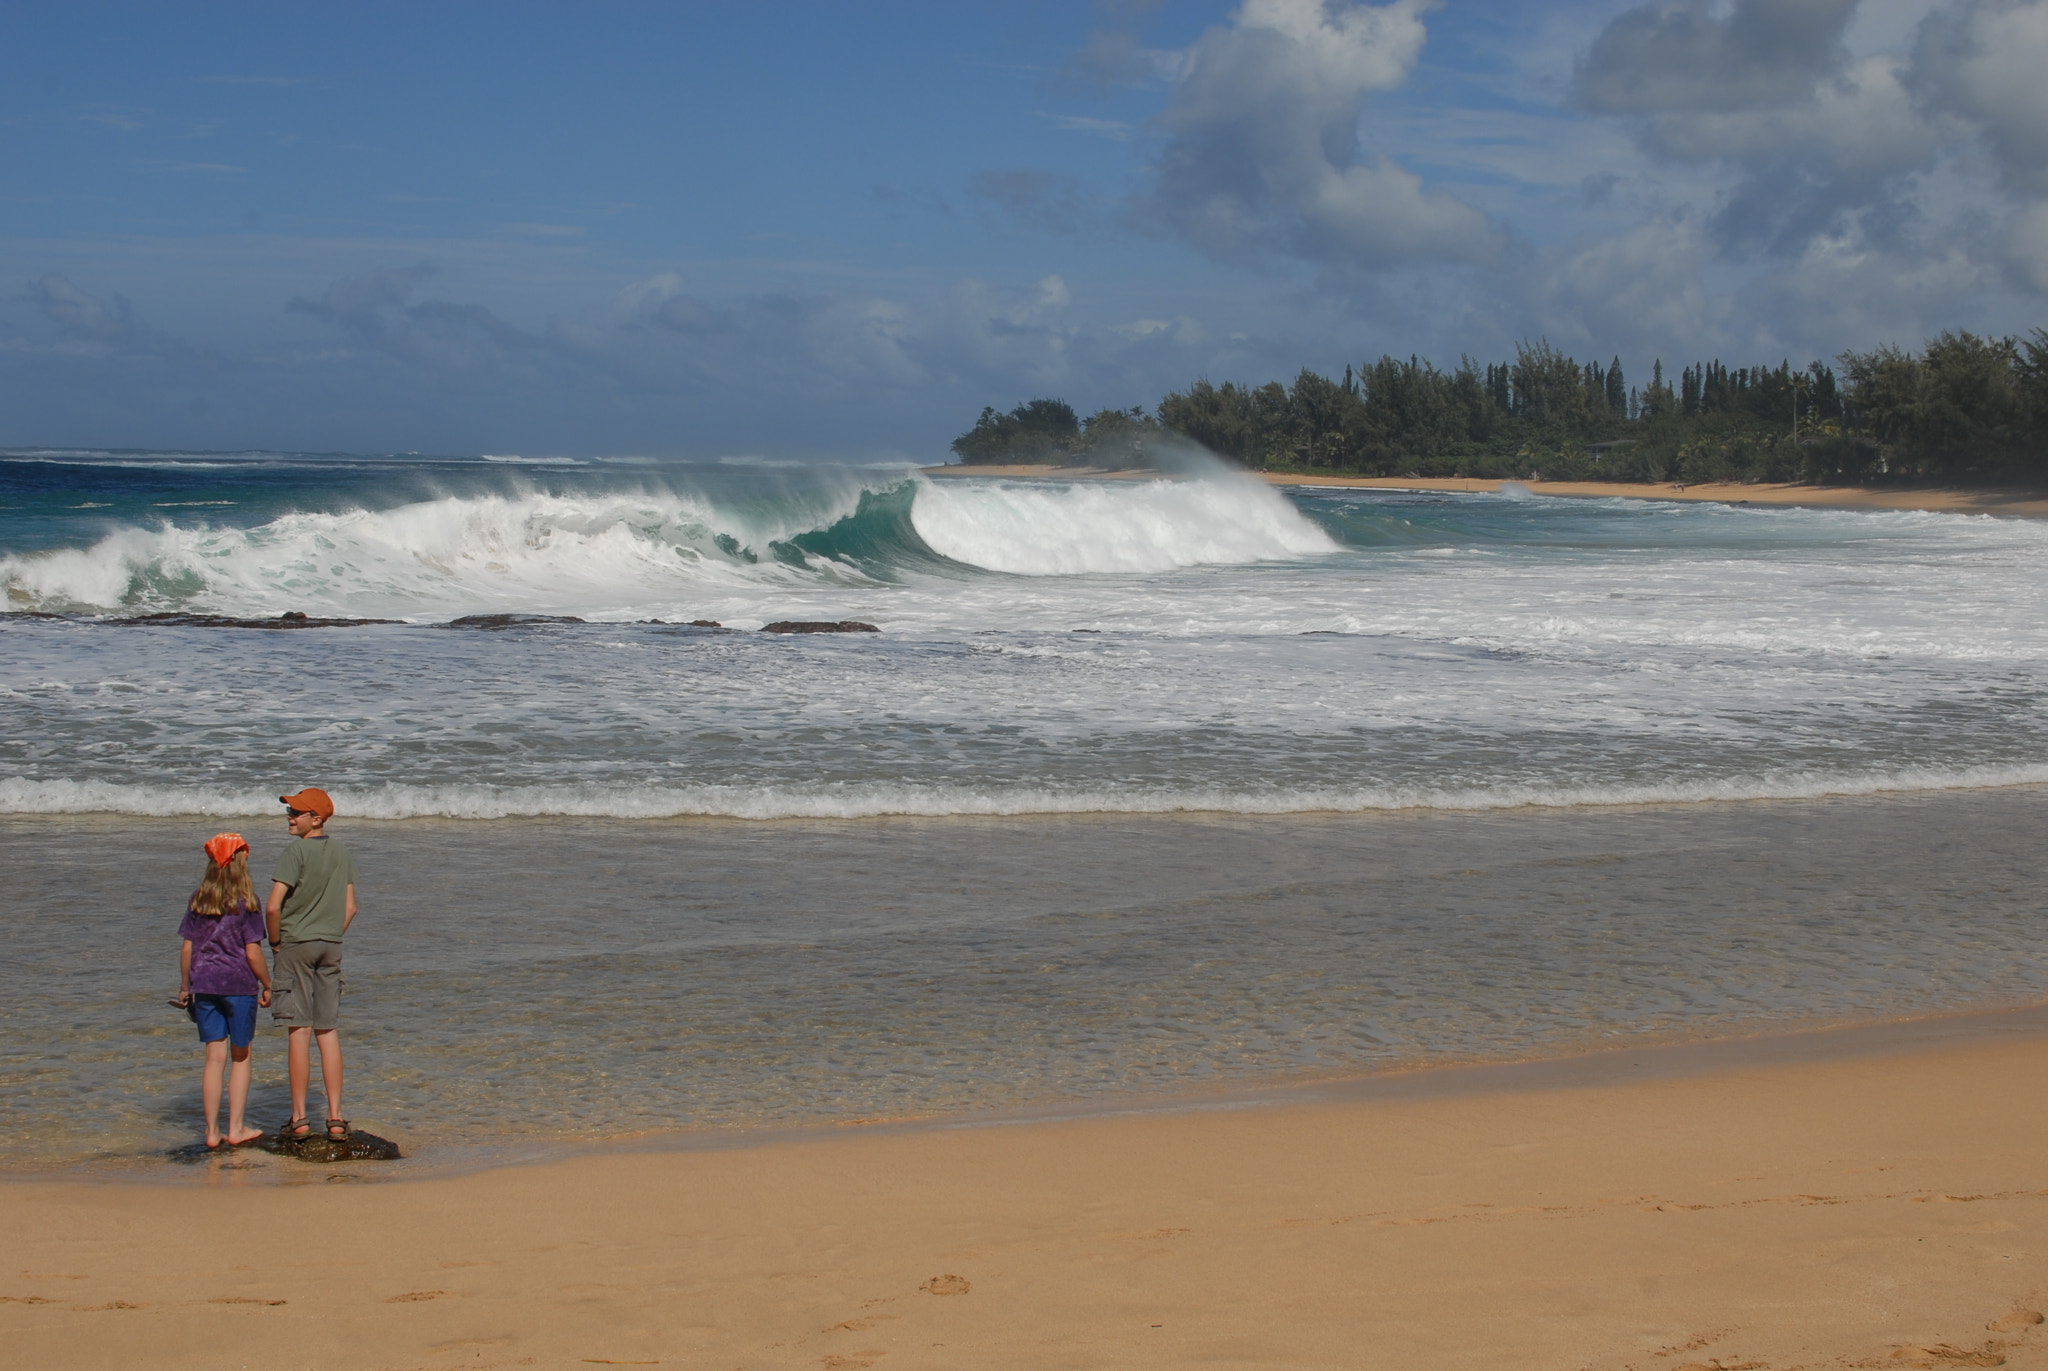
(1992, 1353)
(2018, 1321)
(947, 1285)
(854, 1361)
(411, 1295)
(242, 1299)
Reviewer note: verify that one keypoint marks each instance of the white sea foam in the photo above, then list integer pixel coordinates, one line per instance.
(880, 799)
(597, 554)
(1043, 529)
(535, 552)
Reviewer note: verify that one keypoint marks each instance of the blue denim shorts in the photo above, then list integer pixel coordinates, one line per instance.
(225, 1016)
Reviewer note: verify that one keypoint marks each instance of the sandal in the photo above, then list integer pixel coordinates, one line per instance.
(295, 1128)
(337, 1130)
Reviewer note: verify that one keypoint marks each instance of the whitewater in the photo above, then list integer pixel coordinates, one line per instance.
(1147, 645)
(1140, 786)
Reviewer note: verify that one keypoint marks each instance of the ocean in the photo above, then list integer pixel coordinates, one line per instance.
(1142, 787)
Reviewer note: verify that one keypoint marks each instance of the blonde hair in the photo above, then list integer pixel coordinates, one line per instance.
(224, 888)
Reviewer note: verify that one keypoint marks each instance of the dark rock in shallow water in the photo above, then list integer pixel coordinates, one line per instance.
(318, 1147)
(500, 621)
(818, 626)
(291, 618)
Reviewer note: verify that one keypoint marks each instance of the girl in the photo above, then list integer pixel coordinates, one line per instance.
(222, 979)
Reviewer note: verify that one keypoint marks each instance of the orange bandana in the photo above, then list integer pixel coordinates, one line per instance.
(222, 847)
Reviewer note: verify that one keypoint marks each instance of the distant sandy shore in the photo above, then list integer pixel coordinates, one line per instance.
(2031, 504)
(1884, 1209)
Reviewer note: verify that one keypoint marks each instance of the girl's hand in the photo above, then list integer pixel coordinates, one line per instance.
(263, 998)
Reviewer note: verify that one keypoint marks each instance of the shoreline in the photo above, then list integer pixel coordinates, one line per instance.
(2030, 504)
(1339, 992)
(1641, 1059)
(1882, 1207)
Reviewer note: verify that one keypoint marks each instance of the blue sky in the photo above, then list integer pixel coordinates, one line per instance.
(838, 231)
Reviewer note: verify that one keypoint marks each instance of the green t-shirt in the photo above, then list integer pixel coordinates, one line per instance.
(319, 872)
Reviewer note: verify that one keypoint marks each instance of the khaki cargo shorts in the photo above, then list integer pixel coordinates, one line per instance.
(306, 985)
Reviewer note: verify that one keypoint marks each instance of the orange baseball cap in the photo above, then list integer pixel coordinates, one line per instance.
(222, 847)
(311, 801)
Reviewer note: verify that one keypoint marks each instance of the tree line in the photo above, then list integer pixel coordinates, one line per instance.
(1963, 408)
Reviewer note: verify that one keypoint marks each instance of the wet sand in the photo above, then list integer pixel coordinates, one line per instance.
(535, 985)
(1883, 1209)
(2031, 504)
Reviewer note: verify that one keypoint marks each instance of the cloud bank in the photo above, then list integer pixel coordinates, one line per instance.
(1296, 183)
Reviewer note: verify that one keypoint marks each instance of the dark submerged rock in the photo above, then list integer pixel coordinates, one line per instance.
(318, 1147)
(291, 618)
(818, 626)
(496, 622)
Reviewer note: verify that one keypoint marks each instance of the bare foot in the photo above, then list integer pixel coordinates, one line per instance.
(213, 1142)
(247, 1135)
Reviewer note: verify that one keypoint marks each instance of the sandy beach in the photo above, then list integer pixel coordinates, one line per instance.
(1884, 1208)
(2031, 504)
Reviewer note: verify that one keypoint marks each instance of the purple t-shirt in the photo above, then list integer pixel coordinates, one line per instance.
(220, 963)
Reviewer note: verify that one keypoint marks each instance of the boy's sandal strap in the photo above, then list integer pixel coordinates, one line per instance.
(337, 1130)
(295, 1128)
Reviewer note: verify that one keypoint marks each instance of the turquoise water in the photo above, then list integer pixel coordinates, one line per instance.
(1150, 646)
(532, 983)
(1142, 786)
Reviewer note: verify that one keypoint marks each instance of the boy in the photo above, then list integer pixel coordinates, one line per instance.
(312, 903)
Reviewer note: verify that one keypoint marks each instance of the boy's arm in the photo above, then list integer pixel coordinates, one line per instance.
(348, 912)
(275, 910)
(185, 970)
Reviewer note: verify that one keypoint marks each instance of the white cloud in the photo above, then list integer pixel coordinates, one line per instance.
(1262, 151)
(1876, 148)
(1631, 289)
(1843, 291)
(1680, 55)
(82, 316)
(1045, 201)
(1987, 61)
(2027, 245)
(865, 342)
(1080, 123)
(1861, 121)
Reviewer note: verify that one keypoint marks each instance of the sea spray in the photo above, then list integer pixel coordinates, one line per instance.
(1136, 645)
(610, 553)
(1067, 529)
(1614, 730)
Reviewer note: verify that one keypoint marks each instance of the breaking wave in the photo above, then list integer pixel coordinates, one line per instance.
(873, 799)
(619, 553)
